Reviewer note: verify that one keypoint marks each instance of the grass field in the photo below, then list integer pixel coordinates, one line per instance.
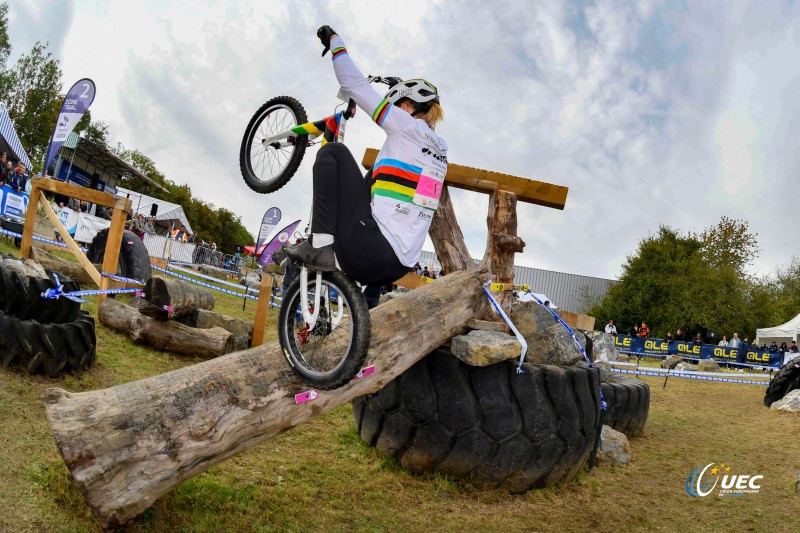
(320, 476)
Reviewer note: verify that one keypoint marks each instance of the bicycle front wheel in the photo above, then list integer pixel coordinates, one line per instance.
(266, 167)
(328, 354)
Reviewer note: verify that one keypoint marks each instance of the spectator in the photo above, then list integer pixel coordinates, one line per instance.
(793, 348)
(773, 348)
(679, 335)
(698, 339)
(9, 170)
(417, 268)
(669, 337)
(148, 226)
(735, 341)
(724, 341)
(763, 346)
(426, 272)
(191, 238)
(213, 246)
(611, 328)
(3, 171)
(644, 331)
(180, 234)
(137, 226)
(17, 179)
(746, 343)
(633, 331)
(784, 348)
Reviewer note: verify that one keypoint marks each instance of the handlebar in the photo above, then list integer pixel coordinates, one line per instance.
(387, 80)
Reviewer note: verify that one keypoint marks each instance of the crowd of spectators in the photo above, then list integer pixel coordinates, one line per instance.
(14, 176)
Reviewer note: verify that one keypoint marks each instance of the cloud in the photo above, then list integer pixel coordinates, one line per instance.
(650, 112)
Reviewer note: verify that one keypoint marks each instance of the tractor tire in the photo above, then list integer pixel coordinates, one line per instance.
(785, 381)
(628, 404)
(21, 288)
(48, 349)
(486, 425)
(134, 260)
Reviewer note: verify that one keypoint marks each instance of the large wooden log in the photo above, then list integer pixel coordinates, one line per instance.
(128, 445)
(170, 298)
(448, 241)
(62, 266)
(170, 335)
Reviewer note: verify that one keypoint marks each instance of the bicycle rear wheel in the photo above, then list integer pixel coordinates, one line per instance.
(266, 168)
(330, 353)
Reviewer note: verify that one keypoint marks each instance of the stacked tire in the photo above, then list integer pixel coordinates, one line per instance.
(487, 425)
(785, 381)
(41, 335)
(627, 404)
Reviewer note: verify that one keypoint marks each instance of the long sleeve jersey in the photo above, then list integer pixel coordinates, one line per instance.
(408, 174)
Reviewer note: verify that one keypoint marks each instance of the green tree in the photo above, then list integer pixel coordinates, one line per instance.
(692, 282)
(33, 99)
(5, 49)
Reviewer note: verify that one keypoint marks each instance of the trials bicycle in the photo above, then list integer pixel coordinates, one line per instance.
(324, 330)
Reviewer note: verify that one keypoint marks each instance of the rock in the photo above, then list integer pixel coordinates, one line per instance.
(671, 361)
(214, 272)
(388, 296)
(137, 302)
(603, 347)
(483, 348)
(614, 447)
(548, 341)
(251, 280)
(707, 365)
(685, 367)
(485, 325)
(789, 403)
(623, 358)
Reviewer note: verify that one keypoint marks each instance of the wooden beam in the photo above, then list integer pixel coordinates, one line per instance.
(84, 193)
(73, 246)
(486, 181)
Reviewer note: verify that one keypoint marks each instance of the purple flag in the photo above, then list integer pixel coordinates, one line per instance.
(276, 243)
(76, 103)
(268, 223)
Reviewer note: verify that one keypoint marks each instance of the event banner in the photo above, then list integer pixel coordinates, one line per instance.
(691, 350)
(276, 243)
(83, 227)
(76, 103)
(268, 223)
(12, 202)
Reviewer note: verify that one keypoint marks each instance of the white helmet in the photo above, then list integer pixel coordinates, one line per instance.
(418, 91)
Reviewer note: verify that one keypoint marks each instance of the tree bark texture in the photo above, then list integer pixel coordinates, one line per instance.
(128, 445)
(170, 298)
(61, 266)
(502, 243)
(448, 241)
(164, 335)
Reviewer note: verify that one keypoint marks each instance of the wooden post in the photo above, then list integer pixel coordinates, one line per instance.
(502, 243)
(111, 255)
(30, 221)
(260, 324)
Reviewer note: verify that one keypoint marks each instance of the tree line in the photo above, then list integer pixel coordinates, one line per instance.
(32, 92)
(698, 282)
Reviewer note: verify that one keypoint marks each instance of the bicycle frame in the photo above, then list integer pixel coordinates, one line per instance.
(331, 129)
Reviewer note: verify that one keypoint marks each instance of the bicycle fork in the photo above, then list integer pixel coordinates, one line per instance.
(310, 316)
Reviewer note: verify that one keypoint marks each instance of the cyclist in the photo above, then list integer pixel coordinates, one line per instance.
(374, 227)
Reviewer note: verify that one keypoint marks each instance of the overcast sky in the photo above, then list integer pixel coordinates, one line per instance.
(651, 112)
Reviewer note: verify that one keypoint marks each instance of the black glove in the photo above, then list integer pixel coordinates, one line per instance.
(324, 33)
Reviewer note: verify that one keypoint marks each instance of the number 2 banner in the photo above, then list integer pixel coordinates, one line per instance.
(76, 103)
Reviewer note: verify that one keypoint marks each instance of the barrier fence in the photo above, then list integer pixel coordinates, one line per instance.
(641, 346)
(702, 376)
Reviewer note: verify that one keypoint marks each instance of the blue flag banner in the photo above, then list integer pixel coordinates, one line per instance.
(691, 350)
(268, 223)
(76, 103)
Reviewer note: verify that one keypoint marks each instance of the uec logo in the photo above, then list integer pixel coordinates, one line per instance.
(703, 480)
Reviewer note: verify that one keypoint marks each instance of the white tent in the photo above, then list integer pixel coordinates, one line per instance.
(168, 214)
(784, 333)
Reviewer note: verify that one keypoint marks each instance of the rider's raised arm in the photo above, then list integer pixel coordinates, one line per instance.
(359, 89)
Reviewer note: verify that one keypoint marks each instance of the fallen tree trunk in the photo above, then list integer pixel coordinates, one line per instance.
(170, 336)
(128, 445)
(170, 298)
(61, 266)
